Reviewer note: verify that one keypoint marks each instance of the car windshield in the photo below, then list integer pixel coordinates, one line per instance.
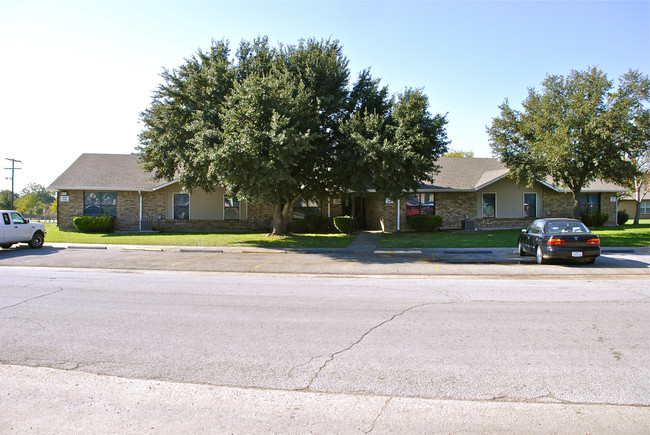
(565, 227)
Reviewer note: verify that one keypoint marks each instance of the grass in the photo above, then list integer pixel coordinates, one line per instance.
(54, 235)
(623, 235)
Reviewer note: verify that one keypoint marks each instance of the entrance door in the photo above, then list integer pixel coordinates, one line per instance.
(354, 206)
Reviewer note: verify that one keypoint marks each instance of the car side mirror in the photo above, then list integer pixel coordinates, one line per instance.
(26, 221)
(525, 230)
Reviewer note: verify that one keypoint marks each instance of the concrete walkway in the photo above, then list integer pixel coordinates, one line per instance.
(366, 241)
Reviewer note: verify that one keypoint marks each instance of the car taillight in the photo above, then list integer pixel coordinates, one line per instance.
(595, 241)
(555, 241)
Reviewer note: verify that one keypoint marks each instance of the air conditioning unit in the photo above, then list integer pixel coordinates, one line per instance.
(468, 225)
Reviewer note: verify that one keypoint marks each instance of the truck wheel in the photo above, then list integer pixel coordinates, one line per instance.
(5, 246)
(37, 240)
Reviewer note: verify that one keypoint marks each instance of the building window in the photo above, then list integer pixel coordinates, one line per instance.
(100, 204)
(230, 208)
(530, 205)
(304, 209)
(489, 205)
(589, 203)
(181, 206)
(645, 207)
(420, 203)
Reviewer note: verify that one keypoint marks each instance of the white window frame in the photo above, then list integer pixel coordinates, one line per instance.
(495, 204)
(225, 197)
(645, 207)
(189, 205)
(523, 205)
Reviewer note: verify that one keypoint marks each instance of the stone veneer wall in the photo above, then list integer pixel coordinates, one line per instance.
(556, 204)
(453, 206)
(606, 206)
(67, 211)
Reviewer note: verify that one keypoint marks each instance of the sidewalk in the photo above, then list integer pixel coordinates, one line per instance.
(51, 401)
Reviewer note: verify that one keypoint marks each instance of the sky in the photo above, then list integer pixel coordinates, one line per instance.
(76, 74)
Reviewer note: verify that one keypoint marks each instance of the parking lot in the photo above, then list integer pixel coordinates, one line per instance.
(348, 262)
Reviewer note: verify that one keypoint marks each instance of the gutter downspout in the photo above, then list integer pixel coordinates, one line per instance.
(140, 222)
(398, 215)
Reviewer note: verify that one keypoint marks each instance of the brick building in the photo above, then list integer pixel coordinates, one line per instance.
(467, 193)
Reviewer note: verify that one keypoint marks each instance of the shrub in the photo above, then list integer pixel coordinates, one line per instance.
(314, 224)
(94, 224)
(622, 217)
(343, 224)
(317, 224)
(302, 225)
(424, 223)
(595, 219)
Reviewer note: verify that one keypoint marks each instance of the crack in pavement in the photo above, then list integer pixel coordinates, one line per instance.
(364, 335)
(31, 299)
(381, 412)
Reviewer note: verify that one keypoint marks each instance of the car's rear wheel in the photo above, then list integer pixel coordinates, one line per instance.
(539, 256)
(37, 240)
(590, 260)
(6, 246)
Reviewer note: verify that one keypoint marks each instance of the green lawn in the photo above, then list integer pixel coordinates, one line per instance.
(54, 235)
(624, 235)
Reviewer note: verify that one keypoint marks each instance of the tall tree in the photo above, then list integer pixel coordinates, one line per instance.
(40, 192)
(5, 199)
(279, 124)
(460, 153)
(633, 96)
(575, 131)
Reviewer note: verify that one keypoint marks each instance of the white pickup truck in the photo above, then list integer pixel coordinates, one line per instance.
(14, 228)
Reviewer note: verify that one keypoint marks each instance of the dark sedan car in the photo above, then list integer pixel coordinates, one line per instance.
(561, 239)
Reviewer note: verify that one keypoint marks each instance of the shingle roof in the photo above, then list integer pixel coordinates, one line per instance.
(106, 172)
(458, 173)
(124, 172)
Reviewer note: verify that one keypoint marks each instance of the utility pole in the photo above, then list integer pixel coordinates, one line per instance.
(12, 169)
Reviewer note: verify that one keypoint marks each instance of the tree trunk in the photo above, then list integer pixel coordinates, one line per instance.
(279, 221)
(637, 212)
(576, 205)
(281, 216)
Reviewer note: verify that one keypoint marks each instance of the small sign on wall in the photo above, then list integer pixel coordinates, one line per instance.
(389, 201)
(64, 198)
(336, 201)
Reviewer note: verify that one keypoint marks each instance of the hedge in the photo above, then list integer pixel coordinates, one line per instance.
(424, 223)
(343, 224)
(94, 224)
(595, 219)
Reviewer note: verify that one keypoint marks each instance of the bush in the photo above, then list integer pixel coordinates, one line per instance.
(343, 224)
(622, 217)
(424, 223)
(595, 219)
(94, 224)
(302, 226)
(314, 224)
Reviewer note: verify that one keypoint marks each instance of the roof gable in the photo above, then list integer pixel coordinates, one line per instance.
(106, 172)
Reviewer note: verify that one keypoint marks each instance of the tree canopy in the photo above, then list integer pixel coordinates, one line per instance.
(576, 130)
(280, 124)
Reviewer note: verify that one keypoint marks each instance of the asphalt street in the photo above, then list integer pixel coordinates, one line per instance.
(217, 350)
(354, 261)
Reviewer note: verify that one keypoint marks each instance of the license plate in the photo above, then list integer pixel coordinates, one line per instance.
(576, 254)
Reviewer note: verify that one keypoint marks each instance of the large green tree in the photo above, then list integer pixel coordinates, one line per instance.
(280, 124)
(576, 129)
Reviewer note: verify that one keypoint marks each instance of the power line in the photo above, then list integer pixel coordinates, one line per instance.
(12, 169)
